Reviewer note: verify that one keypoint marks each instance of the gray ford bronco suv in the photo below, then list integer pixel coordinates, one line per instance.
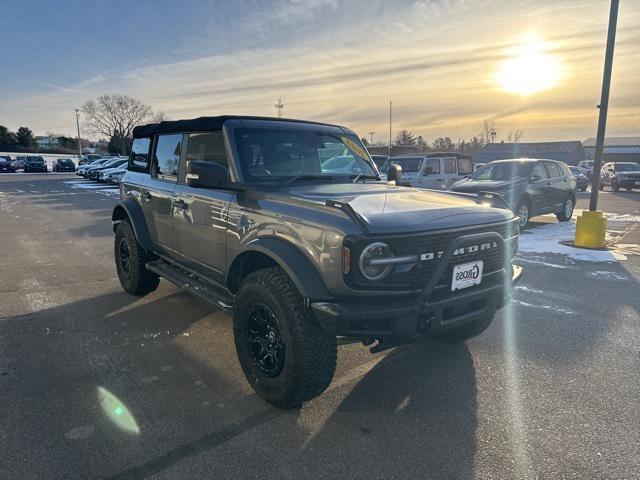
(287, 225)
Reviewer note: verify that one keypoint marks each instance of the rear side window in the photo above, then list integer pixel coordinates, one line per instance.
(166, 157)
(540, 171)
(208, 147)
(449, 165)
(465, 166)
(139, 158)
(434, 165)
(554, 170)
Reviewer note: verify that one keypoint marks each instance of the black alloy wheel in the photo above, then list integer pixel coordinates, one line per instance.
(264, 340)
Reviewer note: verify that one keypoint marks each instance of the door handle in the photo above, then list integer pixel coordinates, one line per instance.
(181, 204)
(548, 183)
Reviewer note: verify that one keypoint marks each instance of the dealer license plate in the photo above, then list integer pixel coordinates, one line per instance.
(466, 275)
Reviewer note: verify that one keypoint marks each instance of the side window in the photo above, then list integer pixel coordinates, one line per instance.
(208, 147)
(167, 156)
(434, 165)
(540, 171)
(465, 166)
(449, 165)
(554, 171)
(140, 153)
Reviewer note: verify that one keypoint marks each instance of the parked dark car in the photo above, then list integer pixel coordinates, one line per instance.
(64, 165)
(582, 180)
(92, 172)
(240, 212)
(6, 164)
(18, 162)
(529, 186)
(35, 164)
(619, 175)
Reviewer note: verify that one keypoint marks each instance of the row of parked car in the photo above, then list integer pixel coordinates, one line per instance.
(34, 163)
(104, 169)
(529, 186)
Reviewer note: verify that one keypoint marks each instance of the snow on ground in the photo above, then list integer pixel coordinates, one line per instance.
(552, 238)
(101, 188)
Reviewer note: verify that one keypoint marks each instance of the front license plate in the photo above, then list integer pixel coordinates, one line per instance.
(466, 275)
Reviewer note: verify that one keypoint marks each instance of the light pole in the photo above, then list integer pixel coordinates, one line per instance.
(390, 119)
(604, 105)
(371, 134)
(492, 132)
(591, 226)
(279, 106)
(78, 127)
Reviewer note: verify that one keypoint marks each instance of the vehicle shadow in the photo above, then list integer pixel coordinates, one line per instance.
(413, 415)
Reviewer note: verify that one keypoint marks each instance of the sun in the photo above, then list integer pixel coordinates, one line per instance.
(529, 69)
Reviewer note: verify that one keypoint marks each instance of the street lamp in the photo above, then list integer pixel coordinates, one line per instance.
(78, 127)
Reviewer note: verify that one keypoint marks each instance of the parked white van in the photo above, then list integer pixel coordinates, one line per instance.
(434, 170)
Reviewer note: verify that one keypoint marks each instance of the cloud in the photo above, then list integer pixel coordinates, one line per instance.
(342, 62)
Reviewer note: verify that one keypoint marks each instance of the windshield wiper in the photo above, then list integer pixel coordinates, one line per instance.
(364, 177)
(308, 177)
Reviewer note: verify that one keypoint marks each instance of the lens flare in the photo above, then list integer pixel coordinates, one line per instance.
(117, 412)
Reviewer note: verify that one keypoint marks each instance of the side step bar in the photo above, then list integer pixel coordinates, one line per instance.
(193, 284)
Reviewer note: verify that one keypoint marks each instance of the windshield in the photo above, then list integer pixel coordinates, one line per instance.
(627, 167)
(276, 155)
(502, 171)
(407, 164)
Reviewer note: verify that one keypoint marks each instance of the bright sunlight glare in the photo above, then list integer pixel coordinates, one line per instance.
(529, 70)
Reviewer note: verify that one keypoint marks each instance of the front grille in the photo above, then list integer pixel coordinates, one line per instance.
(419, 274)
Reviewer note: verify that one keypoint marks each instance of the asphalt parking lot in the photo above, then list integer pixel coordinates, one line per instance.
(96, 383)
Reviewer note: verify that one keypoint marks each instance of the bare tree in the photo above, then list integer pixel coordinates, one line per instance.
(115, 116)
(488, 131)
(514, 137)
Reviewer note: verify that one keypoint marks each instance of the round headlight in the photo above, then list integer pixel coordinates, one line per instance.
(368, 265)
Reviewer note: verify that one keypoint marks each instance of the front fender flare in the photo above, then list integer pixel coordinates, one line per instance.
(299, 268)
(128, 208)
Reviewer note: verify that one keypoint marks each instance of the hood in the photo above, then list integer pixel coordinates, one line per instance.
(386, 208)
(471, 186)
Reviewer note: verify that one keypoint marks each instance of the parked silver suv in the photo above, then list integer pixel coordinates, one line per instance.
(257, 217)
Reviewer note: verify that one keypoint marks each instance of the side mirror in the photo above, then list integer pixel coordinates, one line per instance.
(394, 173)
(204, 174)
(427, 171)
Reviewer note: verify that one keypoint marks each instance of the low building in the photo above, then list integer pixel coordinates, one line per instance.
(616, 149)
(396, 150)
(569, 152)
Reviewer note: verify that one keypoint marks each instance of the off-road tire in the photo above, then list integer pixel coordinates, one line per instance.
(310, 352)
(563, 215)
(469, 330)
(526, 203)
(138, 280)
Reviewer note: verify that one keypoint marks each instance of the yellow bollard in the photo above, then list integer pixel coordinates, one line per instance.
(590, 230)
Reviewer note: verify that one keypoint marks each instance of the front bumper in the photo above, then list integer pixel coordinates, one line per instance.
(402, 321)
(628, 183)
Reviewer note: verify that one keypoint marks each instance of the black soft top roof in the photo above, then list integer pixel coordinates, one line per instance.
(204, 124)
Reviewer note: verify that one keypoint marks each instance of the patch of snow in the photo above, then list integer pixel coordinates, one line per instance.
(547, 239)
(528, 289)
(544, 307)
(538, 260)
(607, 274)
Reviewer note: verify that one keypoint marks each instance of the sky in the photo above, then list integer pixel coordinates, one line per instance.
(447, 65)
